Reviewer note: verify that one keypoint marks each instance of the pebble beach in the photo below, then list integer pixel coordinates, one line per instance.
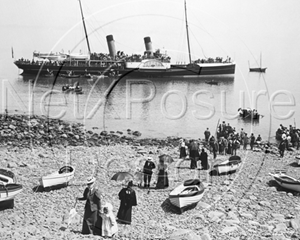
(247, 204)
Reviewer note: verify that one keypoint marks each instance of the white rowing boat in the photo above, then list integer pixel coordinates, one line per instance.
(188, 193)
(60, 177)
(230, 165)
(286, 181)
(9, 191)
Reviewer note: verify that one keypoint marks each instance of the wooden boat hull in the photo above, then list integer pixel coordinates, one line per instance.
(7, 177)
(212, 83)
(287, 182)
(247, 114)
(57, 178)
(228, 166)
(9, 191)
(73, 89)
(250, 116)
(181, 200)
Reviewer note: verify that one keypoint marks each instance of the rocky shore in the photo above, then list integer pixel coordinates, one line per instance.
(247, 204)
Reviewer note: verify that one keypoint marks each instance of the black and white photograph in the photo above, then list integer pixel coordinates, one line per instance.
(149, 119)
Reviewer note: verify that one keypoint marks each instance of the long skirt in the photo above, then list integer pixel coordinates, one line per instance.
(182, 152)
(162, 181)
(124, 214)
(194, 162)
(91, 223)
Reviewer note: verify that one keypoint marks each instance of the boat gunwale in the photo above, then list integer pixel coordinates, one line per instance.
(192, 194)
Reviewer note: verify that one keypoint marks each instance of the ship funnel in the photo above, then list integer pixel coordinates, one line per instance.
(148, 45)
(111, 45)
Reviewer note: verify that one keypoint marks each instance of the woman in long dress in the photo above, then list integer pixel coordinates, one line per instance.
(92, 220)
(162, 179)
(128, 199)
(194, 154)
(182, 149)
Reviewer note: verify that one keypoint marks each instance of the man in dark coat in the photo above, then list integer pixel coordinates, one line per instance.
(204, 160)
(282, 146)
(194, 154)
(215, 149)
(252, 141)
(128, 199)
(92, 222)
(147, 171)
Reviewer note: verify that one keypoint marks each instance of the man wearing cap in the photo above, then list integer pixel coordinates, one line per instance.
(147, 170)
(92, 221)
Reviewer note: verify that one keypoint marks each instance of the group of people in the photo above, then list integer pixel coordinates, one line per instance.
(248, 113)
(288, 137)
(98, 216)
(227, 141)
(162, 173)
(212, 60)
(193, 150)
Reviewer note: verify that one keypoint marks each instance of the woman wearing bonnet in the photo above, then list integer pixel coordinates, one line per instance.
(109, 223)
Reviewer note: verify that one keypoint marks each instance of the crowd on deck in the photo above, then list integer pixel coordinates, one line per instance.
(213, 60)
(120, 56)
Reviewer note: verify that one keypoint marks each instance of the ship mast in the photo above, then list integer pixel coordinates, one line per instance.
(260, 60)
(187, 32)
(86, 36)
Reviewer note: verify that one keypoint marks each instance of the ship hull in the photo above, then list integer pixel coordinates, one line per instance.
(257, 69)
(173, 71)
(182, 71)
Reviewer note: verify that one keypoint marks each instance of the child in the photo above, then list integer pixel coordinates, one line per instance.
(109, 223)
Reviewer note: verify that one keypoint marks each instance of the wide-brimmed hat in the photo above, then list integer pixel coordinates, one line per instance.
(149, 158)
(90, 180)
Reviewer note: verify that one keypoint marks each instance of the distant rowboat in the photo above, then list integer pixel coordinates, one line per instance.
(60, 177)
(76, 89)
(70, 75)
(212, 82)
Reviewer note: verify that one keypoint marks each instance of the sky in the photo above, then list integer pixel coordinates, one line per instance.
(216, 28)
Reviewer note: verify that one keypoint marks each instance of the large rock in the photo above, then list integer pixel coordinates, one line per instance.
(295, 223)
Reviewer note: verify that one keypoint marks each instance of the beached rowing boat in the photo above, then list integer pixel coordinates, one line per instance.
(230, 165)
(9, 191)
(286, 181)
(188, 193)
(60, 177)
